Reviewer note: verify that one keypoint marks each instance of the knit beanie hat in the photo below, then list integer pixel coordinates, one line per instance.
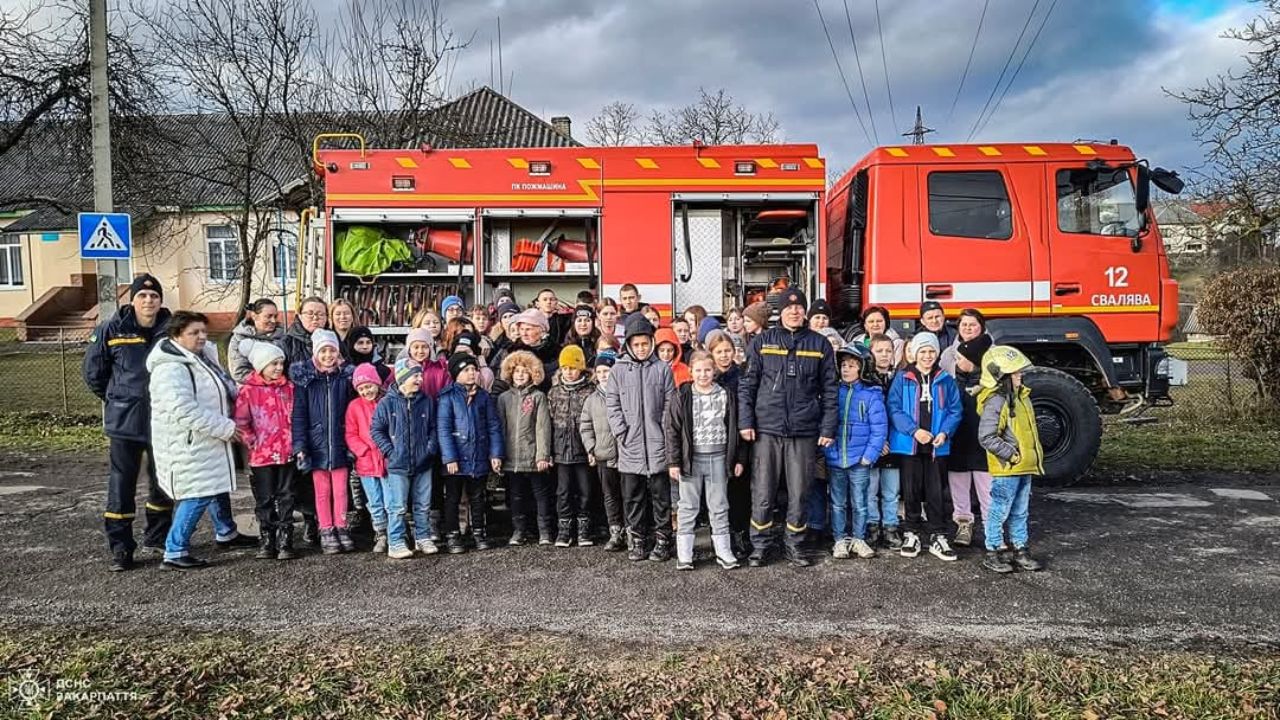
(606, 358)
(533, 317)
(145, 281)
(792, 296)
(585, 311)
(263, 354)
(459, 362)
(820, 307)
(571, 356)
(466, 339)
(365, 373)
(324, 338)
(451, 301)
(928, 305)
(405, 369)
(418, 335)
(923, 340)
(758, 312)
(505, 307)
(705, 328)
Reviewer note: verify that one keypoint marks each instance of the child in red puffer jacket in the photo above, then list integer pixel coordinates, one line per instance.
(370, 465)
(263, 416)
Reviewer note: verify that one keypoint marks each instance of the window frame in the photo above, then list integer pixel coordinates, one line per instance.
(222, 273)
(11, 253)
(929, 206)
(1059, 215)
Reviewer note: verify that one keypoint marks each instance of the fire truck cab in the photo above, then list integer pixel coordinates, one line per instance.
(1055, 243)
(691, 225)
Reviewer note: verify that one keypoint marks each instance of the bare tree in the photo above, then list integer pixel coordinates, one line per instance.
(1237, 118)
(616, 124)
(714, 118)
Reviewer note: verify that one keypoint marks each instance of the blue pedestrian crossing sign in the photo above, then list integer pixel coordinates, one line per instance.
(105, 236)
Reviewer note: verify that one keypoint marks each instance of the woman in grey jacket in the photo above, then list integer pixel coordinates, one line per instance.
(261, 325)
(636, 398)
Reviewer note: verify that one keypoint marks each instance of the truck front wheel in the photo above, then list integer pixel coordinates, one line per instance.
(1069, 424)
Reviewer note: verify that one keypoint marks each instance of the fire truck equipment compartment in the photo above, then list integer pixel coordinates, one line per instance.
(365, 250)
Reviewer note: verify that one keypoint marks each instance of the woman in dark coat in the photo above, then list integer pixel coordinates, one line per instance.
(967, 466)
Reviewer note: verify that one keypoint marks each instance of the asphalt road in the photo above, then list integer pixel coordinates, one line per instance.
(1183, 564)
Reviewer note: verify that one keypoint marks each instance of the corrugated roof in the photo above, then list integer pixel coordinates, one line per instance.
(1175, 213)
(190, 163)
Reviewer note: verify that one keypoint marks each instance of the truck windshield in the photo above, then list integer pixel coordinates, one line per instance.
(1097, 202)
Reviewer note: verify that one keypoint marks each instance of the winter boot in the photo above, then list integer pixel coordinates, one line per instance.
(310, 531)
(661, 546)
(584, 532)
(759, 555)
(435, 519)
(546, 535)
(684, 552)
(996, 563)
(873, 535)
(379, 541)
(344, 540)
(455, 544)
(266, 546)
(616, 539)
(284, 543)
(329, 544)
(481, 538)
(635, 546)
(564, 535)
(740, 541)
(724, 552)
(1023, 561)
(964, 534)
(795, 554)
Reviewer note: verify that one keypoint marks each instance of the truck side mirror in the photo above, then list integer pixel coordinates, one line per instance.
(1167, 180)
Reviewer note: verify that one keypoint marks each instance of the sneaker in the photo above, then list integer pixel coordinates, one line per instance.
(1023, 561)
(517, 538)
(239, 542)
(684, 564)
(454, 544)
(544, 538)
(841, 550)
(909, 546)
(121, 562)
(996, 563)
(186, 562)
(400, 553)
(427, 547)
(941, 549)
(964, 534)
(380, 541)
(892, 538)
(862, 549)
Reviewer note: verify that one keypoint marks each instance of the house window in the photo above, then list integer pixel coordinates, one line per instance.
(970, 204)
(284, 259)
(224, 252)
(10, 261)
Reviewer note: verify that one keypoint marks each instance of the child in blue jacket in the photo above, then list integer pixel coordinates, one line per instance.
(470, 436)
(924, 411)
(404, 429)
(863, 427)
(322, 389)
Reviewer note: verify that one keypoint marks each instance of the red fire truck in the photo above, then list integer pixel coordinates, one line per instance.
(692, 225)
(1055, 243)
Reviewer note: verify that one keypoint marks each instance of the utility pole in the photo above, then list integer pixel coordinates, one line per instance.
(919, 131)
(109, 271)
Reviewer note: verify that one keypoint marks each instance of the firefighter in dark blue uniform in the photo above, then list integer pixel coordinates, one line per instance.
(115, 369)
(787, 405)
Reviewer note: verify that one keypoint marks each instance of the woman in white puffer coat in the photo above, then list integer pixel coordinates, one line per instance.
(192, 399)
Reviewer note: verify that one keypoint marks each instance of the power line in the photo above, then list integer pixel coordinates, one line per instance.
(845, 81)
(866, 98)
(1018, 69)
(1013, 51)
(968, 62)
(885, 62)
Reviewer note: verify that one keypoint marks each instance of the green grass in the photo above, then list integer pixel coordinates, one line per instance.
(37, 380)
(223, 675)
(1189, 447)
(51, 432)
(1197, 351)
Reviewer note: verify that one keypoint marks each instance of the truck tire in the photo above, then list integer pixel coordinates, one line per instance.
(1069, 423)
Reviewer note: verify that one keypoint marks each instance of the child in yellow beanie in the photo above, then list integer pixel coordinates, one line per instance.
(574, 485)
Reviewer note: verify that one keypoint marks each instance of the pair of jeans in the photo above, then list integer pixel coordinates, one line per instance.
(611, 488)
(883, 490)
(122, 486)
(272, 487)
(817, 504)
(923, 479)
(790, 458)
(647, 503)
(386, 499)
(961, 504)
(573, 491)
(188, 513)
(455, 486)
(709, 478)
(1010, 501)
(331, 497)
(849, 487)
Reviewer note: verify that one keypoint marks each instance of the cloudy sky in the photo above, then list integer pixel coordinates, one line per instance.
(1096, 70)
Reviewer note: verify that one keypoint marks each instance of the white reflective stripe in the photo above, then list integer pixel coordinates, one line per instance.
(961, 292)
(652, 293)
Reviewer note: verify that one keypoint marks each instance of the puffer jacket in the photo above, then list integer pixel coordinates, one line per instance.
(526, 428)
(369, 460)
(404, 429)
(904, 410)
(547, 352)
(566, 403)
(967, 453)
(679, 370)
(320, 415)
(115, 369)
(191, 425)
(789, 387)
(636, 399)
(864, 426)
(1006, 429)
(469, 431)
(264, 411)
(243, 339)
(593, 426)
(435, 375)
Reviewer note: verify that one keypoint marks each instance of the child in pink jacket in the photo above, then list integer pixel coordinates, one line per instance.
(370, 465)
(263, 413)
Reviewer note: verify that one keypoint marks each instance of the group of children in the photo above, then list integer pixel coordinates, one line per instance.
(425, 434)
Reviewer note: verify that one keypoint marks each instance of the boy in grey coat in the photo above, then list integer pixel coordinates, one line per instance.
(640, 388)
(602, 449)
